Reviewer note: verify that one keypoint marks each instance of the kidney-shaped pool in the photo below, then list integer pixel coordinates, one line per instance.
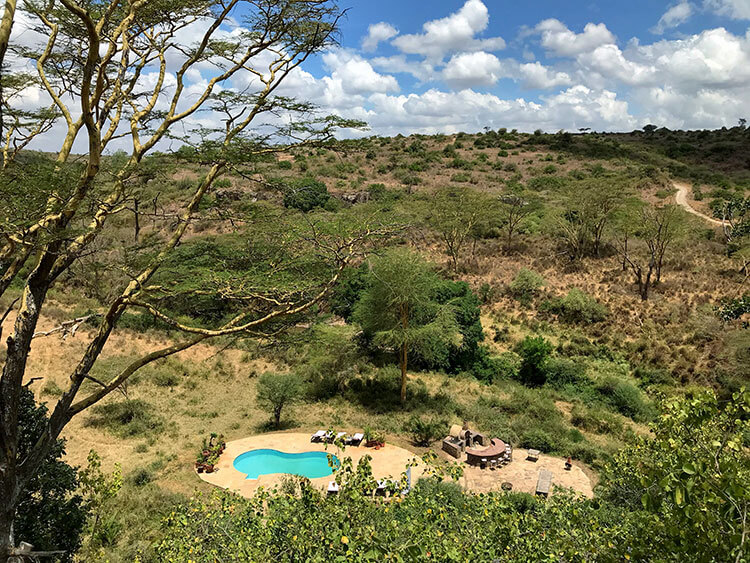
(312, 465)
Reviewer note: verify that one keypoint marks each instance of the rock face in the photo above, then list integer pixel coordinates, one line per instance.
(356, 197)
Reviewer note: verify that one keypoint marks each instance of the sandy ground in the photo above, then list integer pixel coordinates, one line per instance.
(682, 196)
(388, 462)
(523, 475)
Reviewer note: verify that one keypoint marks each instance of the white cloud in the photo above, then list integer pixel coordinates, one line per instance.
(736, 9)
(674, 16)
(558, 40)
(377, 33)
(537, 76)
(355, 75)
(469, 70)
(455, 33)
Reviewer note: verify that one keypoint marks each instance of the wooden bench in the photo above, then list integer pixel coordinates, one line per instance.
(544, 483)
(533, 455)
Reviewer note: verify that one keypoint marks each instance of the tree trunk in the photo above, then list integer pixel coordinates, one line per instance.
(6, 532)
(404, 352)
(277, 416)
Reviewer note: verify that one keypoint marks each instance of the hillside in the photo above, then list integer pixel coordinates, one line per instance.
(612, 355)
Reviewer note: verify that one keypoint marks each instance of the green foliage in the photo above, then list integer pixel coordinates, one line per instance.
(692, 476)
(425, 430)
(127, 419)
(306, 194)
(576, 307)
(535, 353)
(526, 285)
(625, 397)
(275, 391)
(538, 439)
(563, 371)
(348, 291)
(51, 513)
(399, 310)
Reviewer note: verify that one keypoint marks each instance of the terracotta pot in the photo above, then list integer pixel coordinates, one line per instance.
(206, 453)
(209, 468)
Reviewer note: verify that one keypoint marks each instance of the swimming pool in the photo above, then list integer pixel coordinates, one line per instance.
(312, 465)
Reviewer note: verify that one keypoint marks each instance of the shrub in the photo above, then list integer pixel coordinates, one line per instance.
(141, 477)
(563, 371)
(537, 439)
(625, 397)
(424, 431)
(285, 164)
(127, 418)
(526, 285)
(595, 420)
(576, 307)
(306, 194)
(534, 354)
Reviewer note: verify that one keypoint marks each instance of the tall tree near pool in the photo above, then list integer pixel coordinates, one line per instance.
(119, 71)
(398, 310)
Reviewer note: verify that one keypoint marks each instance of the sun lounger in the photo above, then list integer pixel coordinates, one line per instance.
(329, 436)
(333, 488)
(318, 436)
(340, 436)
(355, 440)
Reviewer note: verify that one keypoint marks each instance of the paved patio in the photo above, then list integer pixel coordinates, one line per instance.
(523, 474)
(387, 462)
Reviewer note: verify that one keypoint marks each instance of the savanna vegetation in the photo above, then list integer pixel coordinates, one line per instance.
(266, 275)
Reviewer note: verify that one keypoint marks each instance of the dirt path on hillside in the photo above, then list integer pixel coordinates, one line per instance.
(682, 200)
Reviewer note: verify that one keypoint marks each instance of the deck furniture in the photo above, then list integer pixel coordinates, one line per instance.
(483, 463)
(340, 436)
(381, 488)
(328, 438)
(493, 464)
(544, 482)
(333, 488)
(495, 451)
(318, 436)
(533, 455)
(355, 440)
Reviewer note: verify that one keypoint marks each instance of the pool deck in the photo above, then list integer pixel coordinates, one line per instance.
(387, 462)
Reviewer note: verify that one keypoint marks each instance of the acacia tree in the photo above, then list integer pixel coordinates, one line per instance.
(590, 206)
(116, 71)
(456, 212)
(657, 228)
(399, 312)
(513, 209)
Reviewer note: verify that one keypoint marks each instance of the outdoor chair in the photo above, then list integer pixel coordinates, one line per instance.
(318, 436)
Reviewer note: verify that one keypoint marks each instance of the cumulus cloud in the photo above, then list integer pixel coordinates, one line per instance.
(560, 41)
(454, 33)
(469, 70)
(537, 76)
(735, 9)
(377, 33)
(674, 16)
(355, 75)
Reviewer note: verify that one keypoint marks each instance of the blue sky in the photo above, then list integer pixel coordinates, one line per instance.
(543, 63)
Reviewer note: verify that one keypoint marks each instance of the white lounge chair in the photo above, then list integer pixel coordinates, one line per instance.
(340, 436)
(333, 488)
(318, 436)
(355, 440)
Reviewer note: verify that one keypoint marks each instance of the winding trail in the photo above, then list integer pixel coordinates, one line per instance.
(682, 200)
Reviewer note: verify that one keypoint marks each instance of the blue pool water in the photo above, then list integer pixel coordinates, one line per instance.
(264, 462)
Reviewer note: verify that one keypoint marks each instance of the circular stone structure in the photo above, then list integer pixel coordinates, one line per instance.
(387, 462)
